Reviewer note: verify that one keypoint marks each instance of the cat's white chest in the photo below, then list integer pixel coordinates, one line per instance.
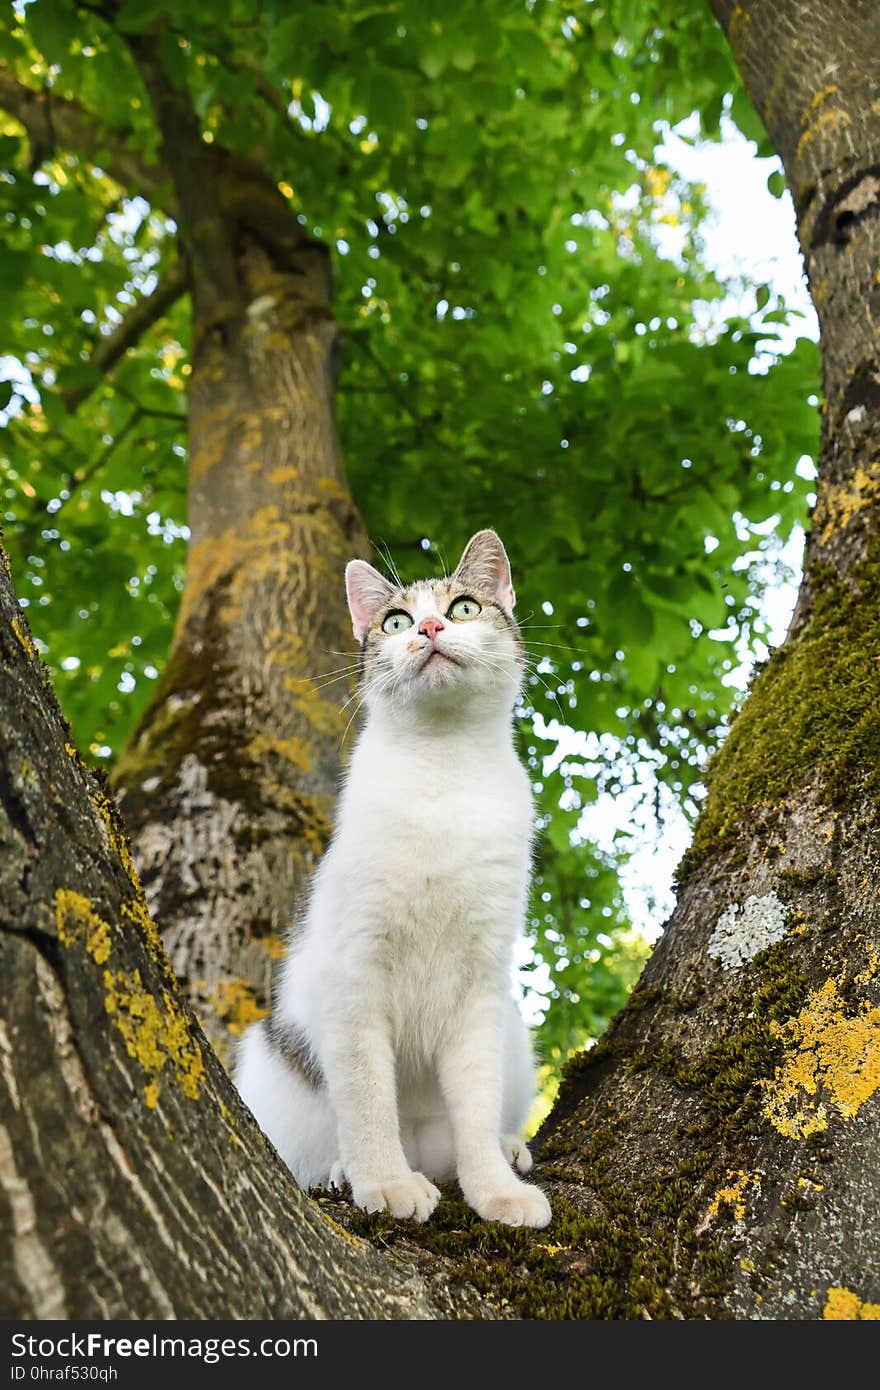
(440, 822)
(439, 845)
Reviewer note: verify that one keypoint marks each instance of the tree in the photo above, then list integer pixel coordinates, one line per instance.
(486, 267)
(712, 1155)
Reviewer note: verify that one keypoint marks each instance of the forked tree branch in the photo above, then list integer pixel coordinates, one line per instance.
(54, 122)
(143, 314)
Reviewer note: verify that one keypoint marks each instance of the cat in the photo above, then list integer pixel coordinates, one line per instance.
(395, 1056)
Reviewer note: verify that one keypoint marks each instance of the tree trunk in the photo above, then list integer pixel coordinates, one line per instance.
(228, 783)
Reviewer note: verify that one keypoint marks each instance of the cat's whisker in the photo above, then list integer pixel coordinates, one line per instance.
(354, 716)
(334, 680)
(354, 696)
(350, 665)
(316, 685)
(382, 549)
(534, 626)
(559, 646)
(483, 660)
(328, 676)
(533, 671)
(379, 689)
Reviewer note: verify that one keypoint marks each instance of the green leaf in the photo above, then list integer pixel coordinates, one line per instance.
(53, 26)
(750, 123)
(173, 57)
(14, 266)
(136, 16)
(432, 61)
(386, 103)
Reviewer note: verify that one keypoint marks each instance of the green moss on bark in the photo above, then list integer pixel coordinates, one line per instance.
(657, 1246)
(197, 711)
(812, 717)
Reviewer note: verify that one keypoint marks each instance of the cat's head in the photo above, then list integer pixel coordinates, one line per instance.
(439, 641)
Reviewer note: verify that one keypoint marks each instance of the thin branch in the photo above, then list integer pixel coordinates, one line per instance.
(57, 122)
(37, 515)
(76, 480)
(179, 417)
(141, 316)
(195, 168)
(398, 391)
(426, 424)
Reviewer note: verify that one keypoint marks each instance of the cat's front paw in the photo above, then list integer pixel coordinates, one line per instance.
(522, 1205)
(516, 1152)
(409, 1199)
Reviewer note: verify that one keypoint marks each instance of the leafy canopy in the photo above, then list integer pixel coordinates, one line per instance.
(523, 298)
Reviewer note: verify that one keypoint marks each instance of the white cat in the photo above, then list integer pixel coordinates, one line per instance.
(395, 1053)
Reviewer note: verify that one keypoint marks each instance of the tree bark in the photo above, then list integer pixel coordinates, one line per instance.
(54, 122)
(228, 783)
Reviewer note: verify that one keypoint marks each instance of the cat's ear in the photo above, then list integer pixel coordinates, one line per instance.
(484, 564)
(367, 592)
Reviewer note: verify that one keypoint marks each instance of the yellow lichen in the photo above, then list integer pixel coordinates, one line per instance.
(283, 475)
(825, 120)
(116, 836)
(872, 969)
(820, 96)
(137, 913)
(737, 30)
(70, 749)
(263, 550)
(808, 1185)
(227, 1115)
(831, 1064)
(341, 1231)
(292, 750)
(842, 1305)
(260, 548)
(234, 1004)
(324, 716)
(273, 946)
(20, 629)
(151, 1094)
(155, 1031)
(77, 921)
(844, 501)
(733, 1194)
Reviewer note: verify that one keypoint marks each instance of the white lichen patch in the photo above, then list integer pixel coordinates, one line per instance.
(744, 929)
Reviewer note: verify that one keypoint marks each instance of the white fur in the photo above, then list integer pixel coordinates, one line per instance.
(401, 974)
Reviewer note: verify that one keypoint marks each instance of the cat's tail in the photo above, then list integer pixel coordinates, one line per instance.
(293, 1112)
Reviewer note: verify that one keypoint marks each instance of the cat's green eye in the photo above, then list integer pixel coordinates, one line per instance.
(464, 608)
(398, 621)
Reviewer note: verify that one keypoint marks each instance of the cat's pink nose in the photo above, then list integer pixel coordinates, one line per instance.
(431, 626)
